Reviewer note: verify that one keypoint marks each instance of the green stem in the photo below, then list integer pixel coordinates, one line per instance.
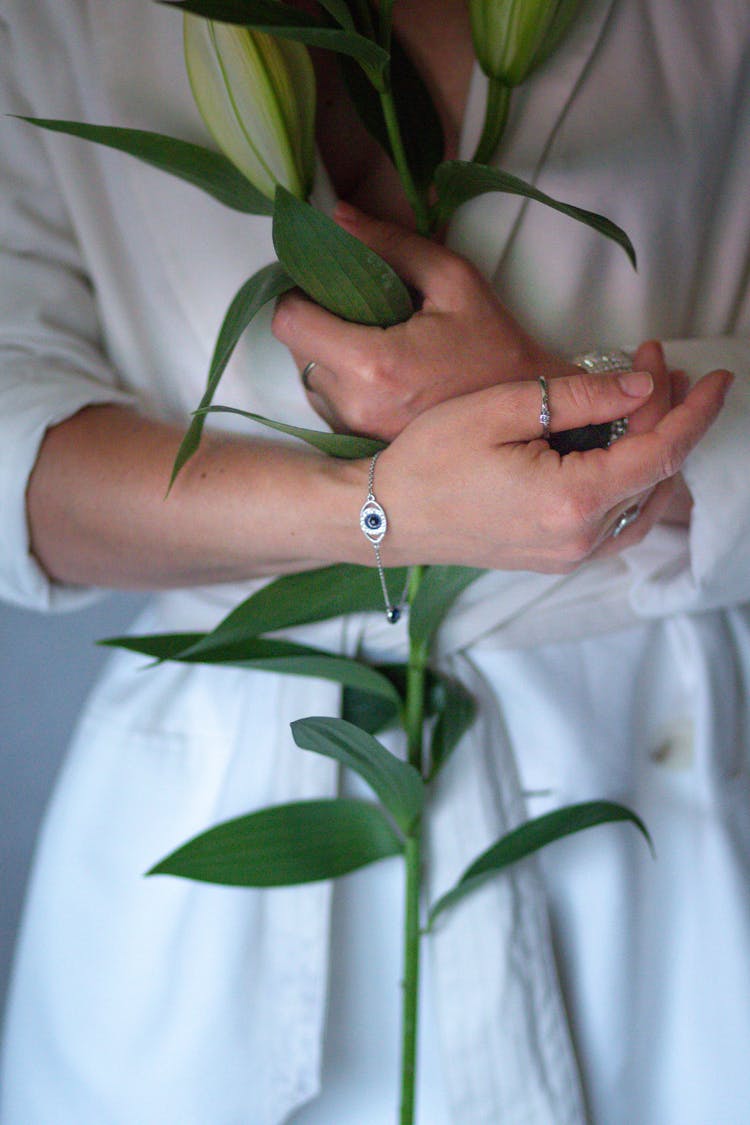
(417, 201)
(363, 18)
(386, 23)
(495, 118)
(410, 983)
(415, 688)
(414, 724)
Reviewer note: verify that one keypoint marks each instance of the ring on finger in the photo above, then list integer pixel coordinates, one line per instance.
(307, 371)
(544, 415)
(630, 515)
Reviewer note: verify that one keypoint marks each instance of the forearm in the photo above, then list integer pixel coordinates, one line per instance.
(99, 513)
(466, 483)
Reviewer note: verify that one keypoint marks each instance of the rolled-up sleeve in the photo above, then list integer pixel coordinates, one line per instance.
(51, 361)
(708, 565)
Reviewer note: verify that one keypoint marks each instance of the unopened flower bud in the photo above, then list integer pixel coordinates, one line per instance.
(256, 94)
(513, 37)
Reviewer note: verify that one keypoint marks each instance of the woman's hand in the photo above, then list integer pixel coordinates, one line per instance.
(468, 481)
(482, 496)
(375, 381)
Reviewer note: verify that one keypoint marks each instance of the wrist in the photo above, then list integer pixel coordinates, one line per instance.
(338, 489)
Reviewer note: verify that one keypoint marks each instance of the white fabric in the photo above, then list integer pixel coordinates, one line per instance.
(122, 985)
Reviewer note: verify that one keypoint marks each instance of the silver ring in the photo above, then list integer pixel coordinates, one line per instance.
(307, 371)
(617, 429)
(544, 415)
(630, 515)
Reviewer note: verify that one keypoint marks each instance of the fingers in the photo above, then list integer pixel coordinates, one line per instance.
(312, 332)
(601, 486)
(650, 506)
(680, 386)
(574, 401)
(358, 400)
(645, 460)
(650, 357)
(429, 267)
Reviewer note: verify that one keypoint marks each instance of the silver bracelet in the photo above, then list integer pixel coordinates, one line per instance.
(374, 524)
(604, 363)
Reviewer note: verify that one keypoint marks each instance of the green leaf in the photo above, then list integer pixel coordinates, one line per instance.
(339, 11)
(334, 268)
(421, 127)
(445, 698)
(282, 657)
(374, 714)
(286, 22)
(369, 712)
(396, 783)
(162, 646)
(457, 710)
(441, 692)
(346, 446)
(439, 588)
(210, 171)
(264, 286)
(298, 599)
(302, 842)
(459, 180)
(532, 836)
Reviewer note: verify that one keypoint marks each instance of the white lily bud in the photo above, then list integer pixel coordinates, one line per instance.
(513, 37)
(256, 94)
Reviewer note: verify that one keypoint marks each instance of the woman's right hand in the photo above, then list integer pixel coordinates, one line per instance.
(467, 483)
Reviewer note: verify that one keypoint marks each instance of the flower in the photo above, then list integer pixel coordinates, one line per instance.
(256, 94)
(513, 37)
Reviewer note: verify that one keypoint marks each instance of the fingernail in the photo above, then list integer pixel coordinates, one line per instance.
(636, 383)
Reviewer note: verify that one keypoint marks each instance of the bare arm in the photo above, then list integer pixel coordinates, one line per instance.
(464, 483)
(99, 513)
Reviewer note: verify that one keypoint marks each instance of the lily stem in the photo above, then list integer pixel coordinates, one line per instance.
(495, 119)
(417, 200)
(410, 982)
(414, 724)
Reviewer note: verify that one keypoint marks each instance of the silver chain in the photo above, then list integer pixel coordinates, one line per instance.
(374, 524)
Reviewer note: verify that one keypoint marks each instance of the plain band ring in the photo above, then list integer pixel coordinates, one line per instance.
(307, 371)
(630, 515)
(544, 415)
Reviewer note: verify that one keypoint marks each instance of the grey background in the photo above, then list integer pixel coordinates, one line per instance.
(47, 664)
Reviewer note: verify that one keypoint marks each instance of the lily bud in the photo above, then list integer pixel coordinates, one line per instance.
(513, 37)
(256, 94)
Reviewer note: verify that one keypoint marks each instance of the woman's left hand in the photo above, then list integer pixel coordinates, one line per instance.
(375, 381)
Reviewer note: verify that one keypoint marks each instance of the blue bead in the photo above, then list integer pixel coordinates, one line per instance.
(393, 613)
(373, 521)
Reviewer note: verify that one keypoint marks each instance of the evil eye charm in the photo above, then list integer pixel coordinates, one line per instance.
(373, 522)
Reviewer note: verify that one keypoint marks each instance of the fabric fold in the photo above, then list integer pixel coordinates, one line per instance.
(507, 1048)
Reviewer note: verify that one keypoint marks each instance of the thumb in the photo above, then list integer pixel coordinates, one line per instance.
(574, 401)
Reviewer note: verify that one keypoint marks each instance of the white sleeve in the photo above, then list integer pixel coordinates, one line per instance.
(51, 361)
(708, 565)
